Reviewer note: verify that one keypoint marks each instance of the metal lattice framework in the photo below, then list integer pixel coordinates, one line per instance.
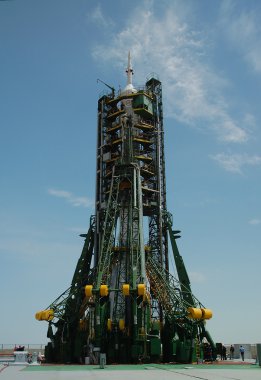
(122, 300)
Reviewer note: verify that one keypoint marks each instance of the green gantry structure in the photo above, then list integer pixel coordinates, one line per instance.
(123, 303)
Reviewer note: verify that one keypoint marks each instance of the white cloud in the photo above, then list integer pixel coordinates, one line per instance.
(249, 120)
(97, 17)
(235, 162)
(242, 28)
(193, 91)
(229, 131)
(254, 221)
(71, 198)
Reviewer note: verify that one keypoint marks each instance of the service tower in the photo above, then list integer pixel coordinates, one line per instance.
(123, 301)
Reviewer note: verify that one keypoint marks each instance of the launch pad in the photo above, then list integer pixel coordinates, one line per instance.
(123, 301)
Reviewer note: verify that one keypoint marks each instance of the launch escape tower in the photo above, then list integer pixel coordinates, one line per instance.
(123, 301)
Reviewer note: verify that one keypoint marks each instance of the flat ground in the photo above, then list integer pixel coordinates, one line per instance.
(133, 372)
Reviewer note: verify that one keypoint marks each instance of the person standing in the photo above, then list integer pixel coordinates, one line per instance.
(224, 353)
(232, 349)
(242, 352)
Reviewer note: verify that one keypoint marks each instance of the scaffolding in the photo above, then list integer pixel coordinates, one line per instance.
(123, 301)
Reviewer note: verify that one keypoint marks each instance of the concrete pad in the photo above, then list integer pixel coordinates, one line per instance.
(145, 372)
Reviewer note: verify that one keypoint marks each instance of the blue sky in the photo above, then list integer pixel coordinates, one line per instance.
(208, 57)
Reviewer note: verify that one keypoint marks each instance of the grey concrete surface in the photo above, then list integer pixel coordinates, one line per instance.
(251, 373)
